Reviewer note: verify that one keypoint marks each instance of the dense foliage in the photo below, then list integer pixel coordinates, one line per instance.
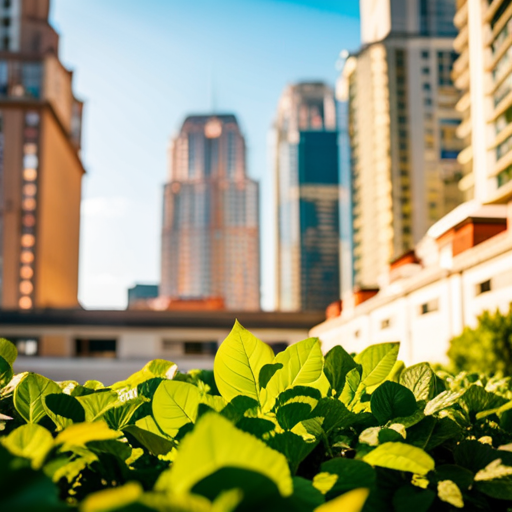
(293, 432)
(487, 347)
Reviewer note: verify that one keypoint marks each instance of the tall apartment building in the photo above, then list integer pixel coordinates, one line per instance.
(40, 166)
(483, 72)
(210, 238)
(402, 123)
(307, 198)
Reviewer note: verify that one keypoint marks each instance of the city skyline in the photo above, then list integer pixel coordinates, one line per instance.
(123, 183)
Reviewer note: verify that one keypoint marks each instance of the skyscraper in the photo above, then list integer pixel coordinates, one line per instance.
(307, 198)
(402, 126)
(483, 74)
(210, 238)
(40, 166)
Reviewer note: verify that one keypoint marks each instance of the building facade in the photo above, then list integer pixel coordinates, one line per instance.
(483, 73)
(306, 180)
(40, 166)
(402, 122)
(210, 238)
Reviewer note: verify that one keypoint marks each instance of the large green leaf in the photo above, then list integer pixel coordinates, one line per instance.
(337, 364)
(350, 474)
(391, 400)
(8, 351)
(238, 364)
(98, 403)
(154, 443)
(121, 415)
(352, 501)
(112, 499)
(63, 409)
(80, 434)
(155, 368)
(443, 401)
(334, 414)
(303, 364)
(28, 396)
(174, 405)
(30, 441)
(377, 362)
(402, 457)
(216, 443)
(6, 373)
(293, 447)
(420, 379)
(476, 399)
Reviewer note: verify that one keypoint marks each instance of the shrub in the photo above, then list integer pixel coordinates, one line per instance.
(293, 432)
(486, 348)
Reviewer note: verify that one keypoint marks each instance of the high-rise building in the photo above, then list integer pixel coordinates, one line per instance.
(402, 127)
(40, 166)
(210, 238)
(307, 198)
(483, 73)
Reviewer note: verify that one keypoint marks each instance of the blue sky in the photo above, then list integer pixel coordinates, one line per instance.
(142, 67)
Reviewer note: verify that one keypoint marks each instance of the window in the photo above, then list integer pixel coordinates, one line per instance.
(200, 347)
(6, 22)
(7, 4)
(427, 102)
(384, 324)
(483, 287)
(26, 346)
(429, 307)
(426, 86)
(95, 348)
(426, 71)
(6, 42)
(425, 54)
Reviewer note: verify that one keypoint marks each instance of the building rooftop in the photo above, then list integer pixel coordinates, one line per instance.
(161, 319)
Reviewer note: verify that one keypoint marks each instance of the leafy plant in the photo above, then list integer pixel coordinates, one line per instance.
(295, 431)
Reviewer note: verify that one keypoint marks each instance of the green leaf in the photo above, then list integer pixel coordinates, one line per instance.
(420, 379)
(401, 457)
(235, 409)
(30, 441)
(293, 447)
(352, 382)
(121, 415)
(258, 427)
(148, 423)
(114, 499)
(154, 443)
(8, 351)
(216, 443)
(443, 401)
(302, 366)
(334, 413)
(28, 396)
(79, 434)
(450, 493)
(155, 368)
(238, 364)
(495, 480)
(267, 372)
(461, 476)
(476, 399)
(6, 372)
(337, 364)
(98, 403)
(409, 498)
(391, 400)
(352, 501)
(351, 474)
(63, 409)
(290, 414)
(174, 405)
(377, 362)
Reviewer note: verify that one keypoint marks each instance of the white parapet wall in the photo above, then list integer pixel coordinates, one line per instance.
(425, 311)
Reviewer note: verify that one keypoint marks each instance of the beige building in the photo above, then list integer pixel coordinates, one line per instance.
(402, 124)
(463, 266)
(483, 73)
(40, 166)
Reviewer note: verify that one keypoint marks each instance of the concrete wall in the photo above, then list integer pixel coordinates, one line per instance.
(425, 336)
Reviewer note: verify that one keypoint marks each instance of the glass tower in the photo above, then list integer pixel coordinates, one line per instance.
(307, 199)
(210, 239)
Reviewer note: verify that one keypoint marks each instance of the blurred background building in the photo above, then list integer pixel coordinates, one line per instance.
(40, 166)
(210, 234)
(463, 264)
(401, 122)
(306, 180)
